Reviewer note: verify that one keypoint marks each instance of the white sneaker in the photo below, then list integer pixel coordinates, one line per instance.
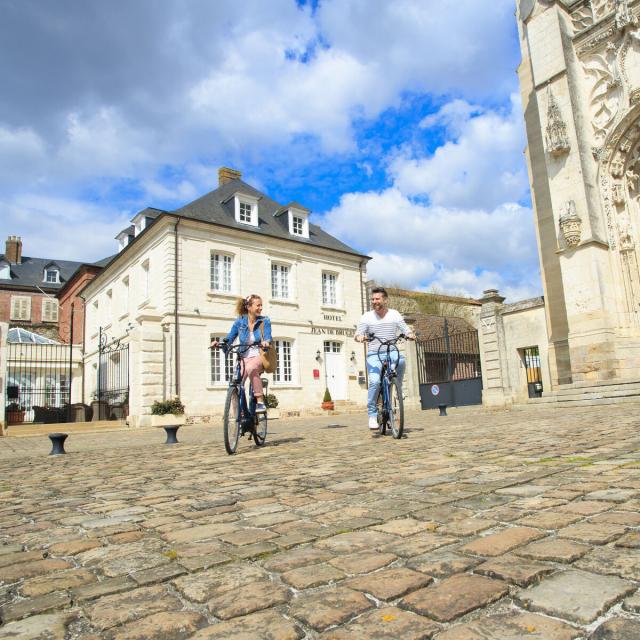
(373, 422)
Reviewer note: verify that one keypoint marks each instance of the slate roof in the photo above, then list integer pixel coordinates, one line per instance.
(29, 274)
(218, 207)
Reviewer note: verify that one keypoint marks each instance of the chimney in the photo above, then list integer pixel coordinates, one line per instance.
(13, 250)
(227, 175)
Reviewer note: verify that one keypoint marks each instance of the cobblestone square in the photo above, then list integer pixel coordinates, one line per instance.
(482, 524)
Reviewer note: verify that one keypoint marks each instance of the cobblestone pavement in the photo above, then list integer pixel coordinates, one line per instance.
(477, 526)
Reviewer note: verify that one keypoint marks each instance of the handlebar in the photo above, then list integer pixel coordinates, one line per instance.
(391, 342)
(237, 348)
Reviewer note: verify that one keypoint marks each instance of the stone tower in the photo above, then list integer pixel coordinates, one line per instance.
(580, 82)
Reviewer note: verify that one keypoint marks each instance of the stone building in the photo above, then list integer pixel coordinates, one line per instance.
(174, 284)
(580, 84)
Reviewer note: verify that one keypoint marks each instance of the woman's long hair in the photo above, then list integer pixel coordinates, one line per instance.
(243, 304)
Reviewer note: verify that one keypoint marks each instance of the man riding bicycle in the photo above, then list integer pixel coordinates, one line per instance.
(380, 324)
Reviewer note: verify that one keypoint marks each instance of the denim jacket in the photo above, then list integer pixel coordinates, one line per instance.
(240, 329)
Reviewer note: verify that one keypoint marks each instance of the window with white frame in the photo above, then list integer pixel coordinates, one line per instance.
(221, 272)
(145, 280)
(221, 366)
(125, 295)
(297, 225)
(52, 275)
(49, 310)
(244, 213)
(20, 308)
(280, 288)
(284, 372)
(329, 288)
(5, 271)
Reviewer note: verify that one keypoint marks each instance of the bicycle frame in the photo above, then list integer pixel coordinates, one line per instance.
(389, 357)
(246, 410)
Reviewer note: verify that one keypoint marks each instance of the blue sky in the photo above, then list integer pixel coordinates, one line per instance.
(397, 123)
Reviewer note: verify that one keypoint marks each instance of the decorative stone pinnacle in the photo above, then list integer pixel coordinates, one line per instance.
(557, 139)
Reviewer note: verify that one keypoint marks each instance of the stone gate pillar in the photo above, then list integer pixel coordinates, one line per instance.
(496, 390)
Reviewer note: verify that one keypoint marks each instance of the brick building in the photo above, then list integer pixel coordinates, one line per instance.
(28, 288)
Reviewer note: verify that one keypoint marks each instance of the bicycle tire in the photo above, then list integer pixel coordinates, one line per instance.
(382, 423)
(260, 430)
(232, 420)
(396, 410)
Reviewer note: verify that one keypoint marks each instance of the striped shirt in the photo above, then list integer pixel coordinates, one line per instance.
(385, 328)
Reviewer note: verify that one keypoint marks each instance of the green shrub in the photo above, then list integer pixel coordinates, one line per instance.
(163, 407)
(270, 401)
(327, 395)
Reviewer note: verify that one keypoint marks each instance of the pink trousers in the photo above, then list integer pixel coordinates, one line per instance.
(253, 369)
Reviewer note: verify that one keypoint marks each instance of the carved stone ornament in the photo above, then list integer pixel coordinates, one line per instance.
(624, 16)
(617, 192)
(557, 139)
(570, 224)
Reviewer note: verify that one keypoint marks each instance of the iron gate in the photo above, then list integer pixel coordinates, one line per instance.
(38, 382)
(112, 385)
(449, 370)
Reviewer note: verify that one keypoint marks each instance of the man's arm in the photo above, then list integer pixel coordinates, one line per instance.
(362, 330)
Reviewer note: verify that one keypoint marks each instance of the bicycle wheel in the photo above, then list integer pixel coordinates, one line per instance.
(260, 430)
(232, 420)
(396, 410)
(382, 422)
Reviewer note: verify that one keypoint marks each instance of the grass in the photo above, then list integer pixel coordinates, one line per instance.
(586, 462)
(172, 554)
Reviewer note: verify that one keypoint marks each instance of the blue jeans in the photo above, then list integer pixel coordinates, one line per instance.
(374, 367)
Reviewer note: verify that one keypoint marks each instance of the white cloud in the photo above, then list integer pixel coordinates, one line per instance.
(22, 151)
(400, 270)
(62, 228)
(466, 231)
(482, 166)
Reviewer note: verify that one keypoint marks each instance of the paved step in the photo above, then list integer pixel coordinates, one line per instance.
(23, 430)
(582, 394)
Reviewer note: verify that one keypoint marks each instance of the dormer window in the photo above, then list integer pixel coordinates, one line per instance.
(246, 209)
(5, 270)
(298, 222)
(52, 275)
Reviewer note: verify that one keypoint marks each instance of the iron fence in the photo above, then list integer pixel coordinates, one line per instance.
(449, 358)
(38, 383)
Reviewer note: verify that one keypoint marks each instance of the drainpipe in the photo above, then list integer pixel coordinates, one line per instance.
(364, 344)
(175, 288)
(84, 338)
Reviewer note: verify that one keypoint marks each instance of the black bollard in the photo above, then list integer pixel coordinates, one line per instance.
(57, 440)
(443, 409)
(172, 433)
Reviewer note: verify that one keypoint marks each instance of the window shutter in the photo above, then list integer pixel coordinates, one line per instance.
(20, 308)
(50, 310)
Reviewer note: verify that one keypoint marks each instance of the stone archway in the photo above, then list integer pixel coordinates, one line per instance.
(619, 186)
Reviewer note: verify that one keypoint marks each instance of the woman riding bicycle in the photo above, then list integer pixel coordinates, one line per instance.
(253, 329)
(381, 323)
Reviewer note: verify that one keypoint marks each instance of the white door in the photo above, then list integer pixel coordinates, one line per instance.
(336, 372)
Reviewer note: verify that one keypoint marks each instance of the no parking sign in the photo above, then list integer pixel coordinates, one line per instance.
(435, 390)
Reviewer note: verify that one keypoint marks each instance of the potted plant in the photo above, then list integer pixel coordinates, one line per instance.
(327, 402)
(167, 412)
(271, 402)
(14, 413)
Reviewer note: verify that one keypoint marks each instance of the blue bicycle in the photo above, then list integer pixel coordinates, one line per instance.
(240, 417)
(389, 402)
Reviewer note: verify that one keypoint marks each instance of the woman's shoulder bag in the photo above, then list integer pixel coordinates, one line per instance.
(268, 356)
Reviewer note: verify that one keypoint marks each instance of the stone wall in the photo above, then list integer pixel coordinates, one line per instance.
(506, 330)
